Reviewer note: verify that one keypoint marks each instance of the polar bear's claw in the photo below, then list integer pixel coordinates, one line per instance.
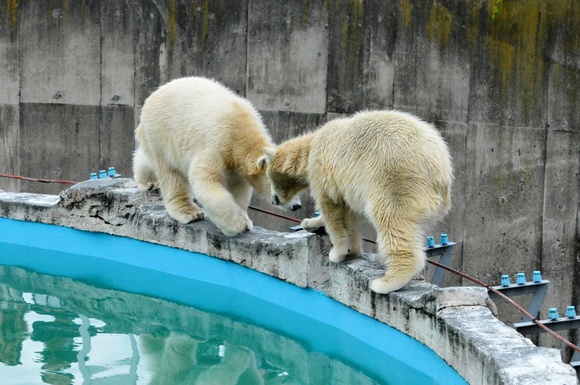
(147, 185)
(336, 256)
(312, 224)
(308, 225)
(237, 226)
(385, 286)
(188, 216)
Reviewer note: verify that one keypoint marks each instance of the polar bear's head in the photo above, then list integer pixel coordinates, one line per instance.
(286, 185)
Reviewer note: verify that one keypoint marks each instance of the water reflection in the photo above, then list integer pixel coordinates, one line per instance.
(59, 331)
(177, 358)
(13, 328)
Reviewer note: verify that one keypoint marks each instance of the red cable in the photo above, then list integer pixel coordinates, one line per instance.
(275, 214)
(38, 179)
(521, 309)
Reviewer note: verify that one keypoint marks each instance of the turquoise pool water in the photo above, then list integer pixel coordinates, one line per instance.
(307, 332)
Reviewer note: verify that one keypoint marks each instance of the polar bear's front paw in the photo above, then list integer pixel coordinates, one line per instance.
(337, 255)
(312, 224)
(147, 185)
(190, 215)
(238, 225)
(386, 285)
(340, 253)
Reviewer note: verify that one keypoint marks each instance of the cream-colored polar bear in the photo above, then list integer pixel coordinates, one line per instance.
(172, 360)
(387, 166)
(199, 139)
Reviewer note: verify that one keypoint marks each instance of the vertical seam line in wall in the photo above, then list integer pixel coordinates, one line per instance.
(464, 193)
(136, 36)
(17, 36)
(328, 6)
(546, 138)
(540, 258)
(393, 60)
(100, 82)
(17, 161)
(464, 166)
(247, 49)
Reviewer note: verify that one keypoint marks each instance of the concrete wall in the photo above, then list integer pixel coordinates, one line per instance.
(500, 79)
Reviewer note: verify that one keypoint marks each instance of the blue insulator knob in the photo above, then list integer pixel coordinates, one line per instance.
(571, 312)
(93, 176)
(102, 174)
(553, 314)
(537, 277)
(430, 242)
(505, 280)
(521, 280)
(443, 239)
(111, 172)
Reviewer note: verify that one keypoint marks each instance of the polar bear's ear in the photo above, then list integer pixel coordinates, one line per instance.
(262, 162)
(270, 153)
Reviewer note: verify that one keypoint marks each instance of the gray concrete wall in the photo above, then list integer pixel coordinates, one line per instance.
(501, 80)
(454, 322)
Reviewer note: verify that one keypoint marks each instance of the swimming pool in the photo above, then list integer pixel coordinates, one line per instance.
(202, 282)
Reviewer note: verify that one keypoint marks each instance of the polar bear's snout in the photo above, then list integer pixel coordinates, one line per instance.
(293, 205)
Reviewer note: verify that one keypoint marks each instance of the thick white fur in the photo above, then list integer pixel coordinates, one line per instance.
(199, 139)
(387, 166)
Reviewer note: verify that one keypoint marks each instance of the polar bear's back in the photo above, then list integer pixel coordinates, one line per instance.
(188, 115)
(388, 153)
(188, 100)
(394, 135)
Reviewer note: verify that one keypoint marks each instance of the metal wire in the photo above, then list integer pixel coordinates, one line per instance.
(457, 272)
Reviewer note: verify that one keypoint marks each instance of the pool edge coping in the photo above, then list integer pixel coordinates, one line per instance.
(454, 322)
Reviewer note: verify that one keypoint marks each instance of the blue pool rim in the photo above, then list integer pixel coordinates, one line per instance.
(187, 277)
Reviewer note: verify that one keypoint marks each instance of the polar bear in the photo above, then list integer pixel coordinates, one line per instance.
(196, 138)
(172, 360)
(387, 166)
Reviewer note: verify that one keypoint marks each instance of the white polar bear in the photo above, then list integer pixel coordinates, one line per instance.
(387, 166)
(199, 139)
(172, 360)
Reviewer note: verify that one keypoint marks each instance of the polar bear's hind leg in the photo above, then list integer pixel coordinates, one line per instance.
(177, 195)
(144, 170)
(401, 252)
(342, 225)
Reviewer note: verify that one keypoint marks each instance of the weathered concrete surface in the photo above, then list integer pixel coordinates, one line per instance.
(294, 50)
(68, 72)
(500, 79)
(455, 322)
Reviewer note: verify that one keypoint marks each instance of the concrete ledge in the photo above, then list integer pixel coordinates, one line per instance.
(454, 322)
